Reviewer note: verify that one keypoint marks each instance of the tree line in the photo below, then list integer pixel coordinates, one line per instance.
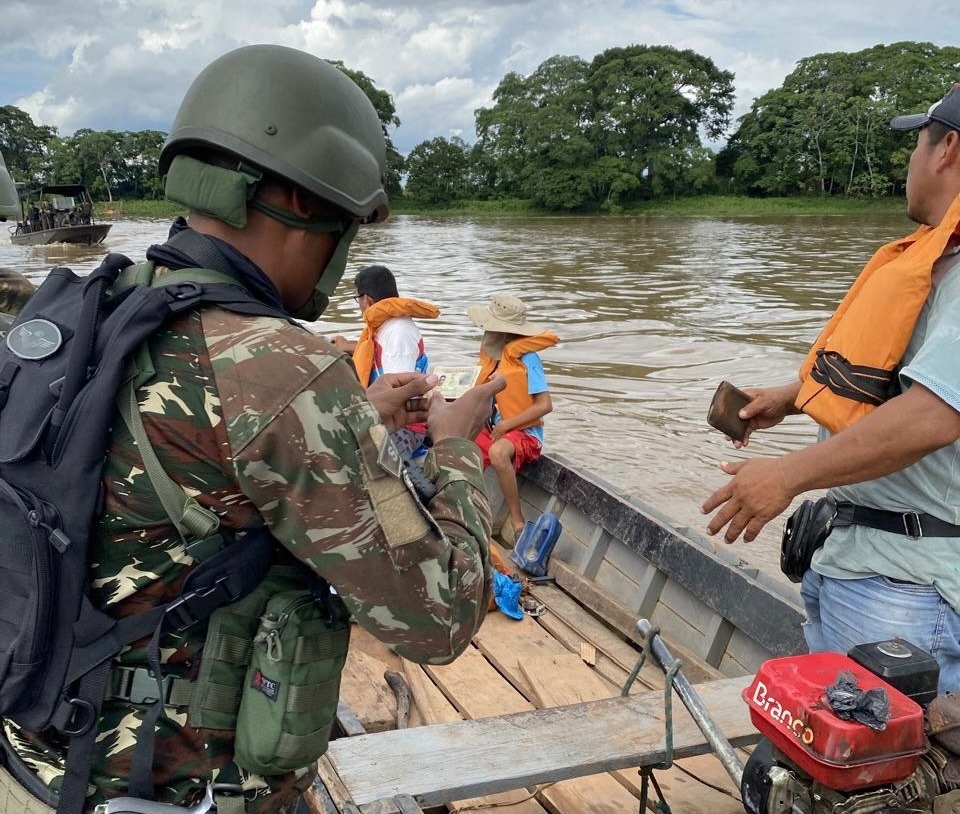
(632, 124)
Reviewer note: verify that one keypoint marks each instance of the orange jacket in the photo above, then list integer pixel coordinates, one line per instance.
(514, 398)
(374, 317)
(871, 328)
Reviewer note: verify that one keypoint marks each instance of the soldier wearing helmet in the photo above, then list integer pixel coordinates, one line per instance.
(279, 158)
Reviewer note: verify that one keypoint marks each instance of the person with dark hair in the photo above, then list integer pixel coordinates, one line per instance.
(391, 342)
(513, 436)
(279, 158)
(883, 382)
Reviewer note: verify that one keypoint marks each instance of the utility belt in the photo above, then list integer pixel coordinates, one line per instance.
(809, 526)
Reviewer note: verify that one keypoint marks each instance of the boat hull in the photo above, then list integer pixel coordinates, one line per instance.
(88, 235)
(620, 557)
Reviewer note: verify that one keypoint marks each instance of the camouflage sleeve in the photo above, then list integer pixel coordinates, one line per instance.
(310, 452)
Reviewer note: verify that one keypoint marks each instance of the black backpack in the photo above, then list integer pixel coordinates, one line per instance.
(63, 364)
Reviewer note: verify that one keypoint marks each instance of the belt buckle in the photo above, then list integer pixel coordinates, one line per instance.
(911, 525)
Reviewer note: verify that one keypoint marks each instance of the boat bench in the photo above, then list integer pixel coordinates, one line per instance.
(443, 762)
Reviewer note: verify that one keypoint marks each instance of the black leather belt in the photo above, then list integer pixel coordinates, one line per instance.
(910, 524)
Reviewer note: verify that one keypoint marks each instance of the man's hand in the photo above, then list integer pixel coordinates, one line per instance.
(342, 343)
(498, 432)
(755, 494)
(769, 406)
(401, 398)
(465, 417)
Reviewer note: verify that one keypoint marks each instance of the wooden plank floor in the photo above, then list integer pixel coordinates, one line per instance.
(515, 668)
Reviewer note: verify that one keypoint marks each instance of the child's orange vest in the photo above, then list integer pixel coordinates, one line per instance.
(514, 398)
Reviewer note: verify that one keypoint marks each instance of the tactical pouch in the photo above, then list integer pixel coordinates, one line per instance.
(227, 650)
(292, 686)
(806, 530)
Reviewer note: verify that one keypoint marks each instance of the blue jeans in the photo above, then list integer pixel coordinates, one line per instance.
(842, 613)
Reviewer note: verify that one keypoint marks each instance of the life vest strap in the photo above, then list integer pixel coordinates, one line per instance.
(869, 385)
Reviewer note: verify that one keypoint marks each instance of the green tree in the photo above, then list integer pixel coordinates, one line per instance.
(826, 129)
(652, 103)
(24, 143)
(438, 171)
(387, 111)
(575, 135)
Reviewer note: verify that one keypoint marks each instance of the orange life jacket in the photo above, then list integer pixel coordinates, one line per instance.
(374, 317)
(852, 366)
(514, 398)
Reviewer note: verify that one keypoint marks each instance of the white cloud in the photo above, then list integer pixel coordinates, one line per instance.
(119, 64)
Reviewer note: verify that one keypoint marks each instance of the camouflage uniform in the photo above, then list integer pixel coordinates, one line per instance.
(266, 423)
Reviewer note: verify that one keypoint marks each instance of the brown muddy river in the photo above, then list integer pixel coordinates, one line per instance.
(652, 313)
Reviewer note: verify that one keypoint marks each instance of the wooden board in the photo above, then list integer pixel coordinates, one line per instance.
(572, 624)
(514, 751)
(435, 708)
(475, 688)
(505, 642)
(365, 691)
(569, 680)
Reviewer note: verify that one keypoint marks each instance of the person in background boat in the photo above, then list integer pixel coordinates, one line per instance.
(513, 436)
(883, 382)
(34, 215)
(265, 424)
(48, 215)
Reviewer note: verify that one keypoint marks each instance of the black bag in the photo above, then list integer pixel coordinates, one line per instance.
(806, 530)
(62, 365)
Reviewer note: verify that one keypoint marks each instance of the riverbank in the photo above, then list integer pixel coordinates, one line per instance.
(703, 206)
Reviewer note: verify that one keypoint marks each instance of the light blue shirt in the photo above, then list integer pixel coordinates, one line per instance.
(932, 484)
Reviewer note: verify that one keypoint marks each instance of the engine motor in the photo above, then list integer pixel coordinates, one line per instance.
(811, 761)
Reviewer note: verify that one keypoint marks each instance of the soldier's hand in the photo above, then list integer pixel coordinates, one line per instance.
(401, 398)
(465, 417)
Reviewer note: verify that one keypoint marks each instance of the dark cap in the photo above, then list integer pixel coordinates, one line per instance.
(947, 111)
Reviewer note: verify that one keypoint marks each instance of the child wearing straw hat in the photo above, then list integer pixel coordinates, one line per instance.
(513, 436)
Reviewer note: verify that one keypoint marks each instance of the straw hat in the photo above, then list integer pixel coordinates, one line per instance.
(505, 314)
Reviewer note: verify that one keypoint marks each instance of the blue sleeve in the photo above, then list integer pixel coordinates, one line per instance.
(536, 378)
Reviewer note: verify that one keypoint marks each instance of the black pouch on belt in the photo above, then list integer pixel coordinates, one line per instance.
(806, 530)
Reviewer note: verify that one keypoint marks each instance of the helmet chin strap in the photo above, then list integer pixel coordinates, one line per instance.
(331, 276)
(344, 229)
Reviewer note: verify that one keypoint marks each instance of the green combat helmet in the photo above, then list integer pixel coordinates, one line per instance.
(9, 202)
(290, 114)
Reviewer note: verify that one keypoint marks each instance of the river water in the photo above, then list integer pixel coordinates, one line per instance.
(653, 312)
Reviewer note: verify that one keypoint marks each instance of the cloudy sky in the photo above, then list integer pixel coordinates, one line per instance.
(125, 64)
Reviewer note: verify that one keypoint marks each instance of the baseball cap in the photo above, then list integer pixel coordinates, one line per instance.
(947, 111)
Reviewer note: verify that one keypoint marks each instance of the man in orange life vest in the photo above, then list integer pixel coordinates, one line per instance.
(514, 434)
(883, 382)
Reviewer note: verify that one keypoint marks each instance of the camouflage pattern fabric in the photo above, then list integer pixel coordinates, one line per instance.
(266, 423)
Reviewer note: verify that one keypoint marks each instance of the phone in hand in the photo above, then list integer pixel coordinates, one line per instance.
(724, 411)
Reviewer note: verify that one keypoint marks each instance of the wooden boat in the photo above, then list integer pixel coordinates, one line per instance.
(534, 715)
(64, 215)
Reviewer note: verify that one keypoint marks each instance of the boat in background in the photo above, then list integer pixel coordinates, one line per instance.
(57, 213)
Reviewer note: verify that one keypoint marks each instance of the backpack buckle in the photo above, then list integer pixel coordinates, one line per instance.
(199, 604)
(138, 685)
